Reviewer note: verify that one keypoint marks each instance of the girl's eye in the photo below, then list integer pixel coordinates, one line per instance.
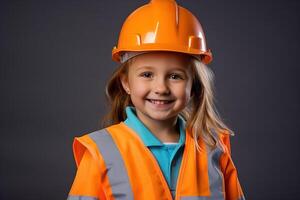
(146, 74)
(176, 76)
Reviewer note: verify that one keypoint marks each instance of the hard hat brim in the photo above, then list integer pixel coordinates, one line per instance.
(206, 57)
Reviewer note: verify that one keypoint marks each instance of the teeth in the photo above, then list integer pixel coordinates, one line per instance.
(159, 101)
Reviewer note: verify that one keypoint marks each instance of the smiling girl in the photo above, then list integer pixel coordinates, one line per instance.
(159, 85)
(163, 138)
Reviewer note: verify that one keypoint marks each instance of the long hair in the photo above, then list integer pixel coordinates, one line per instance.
(200, 114)
(116, 96)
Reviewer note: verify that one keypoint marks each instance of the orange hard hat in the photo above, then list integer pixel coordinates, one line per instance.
(161, 25)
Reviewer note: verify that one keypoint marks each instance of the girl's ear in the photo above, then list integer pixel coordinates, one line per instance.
(125, 83)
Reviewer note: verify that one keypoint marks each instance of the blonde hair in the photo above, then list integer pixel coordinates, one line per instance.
(200, 114)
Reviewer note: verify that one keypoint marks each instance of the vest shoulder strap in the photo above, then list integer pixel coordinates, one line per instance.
(223, 138)
(81, 144)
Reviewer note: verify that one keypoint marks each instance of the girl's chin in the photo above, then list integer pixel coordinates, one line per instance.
(161, 116)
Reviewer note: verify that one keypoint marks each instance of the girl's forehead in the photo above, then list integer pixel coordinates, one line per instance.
(160, 59)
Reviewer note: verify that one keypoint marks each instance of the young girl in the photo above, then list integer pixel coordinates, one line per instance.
(163, 137)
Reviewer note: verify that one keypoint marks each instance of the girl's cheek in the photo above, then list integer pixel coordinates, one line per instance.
(184, 89)
(140, 87)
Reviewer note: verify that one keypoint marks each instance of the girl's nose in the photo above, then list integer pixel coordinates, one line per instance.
(161, 87)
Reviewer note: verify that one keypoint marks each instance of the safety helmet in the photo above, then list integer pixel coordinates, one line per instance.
(161, 25)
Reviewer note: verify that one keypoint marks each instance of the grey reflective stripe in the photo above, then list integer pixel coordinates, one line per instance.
(214, 172)
(201, 198)
(116, 171)
(72, 197)
(206, 198)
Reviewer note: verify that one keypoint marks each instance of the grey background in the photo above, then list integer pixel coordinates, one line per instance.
(56, 58)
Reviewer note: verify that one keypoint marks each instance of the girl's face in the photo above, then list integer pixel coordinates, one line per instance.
(159, 84)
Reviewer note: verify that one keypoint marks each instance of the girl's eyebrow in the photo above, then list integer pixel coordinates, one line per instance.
(179, 69)
(152, 67)
(145, 67)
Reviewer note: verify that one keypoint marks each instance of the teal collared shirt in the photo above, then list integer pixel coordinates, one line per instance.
(169, 156)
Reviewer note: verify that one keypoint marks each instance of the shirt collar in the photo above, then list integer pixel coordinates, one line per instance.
(145, 134)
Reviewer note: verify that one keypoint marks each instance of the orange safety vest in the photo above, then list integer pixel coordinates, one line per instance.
(125, 169)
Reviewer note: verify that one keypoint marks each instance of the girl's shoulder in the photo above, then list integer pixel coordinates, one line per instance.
(224, 139)
(91, 142)
(86, 143)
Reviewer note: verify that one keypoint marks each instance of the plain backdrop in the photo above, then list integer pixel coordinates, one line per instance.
(55, 59)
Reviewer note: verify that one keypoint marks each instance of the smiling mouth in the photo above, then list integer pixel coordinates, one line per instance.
(160, 102)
